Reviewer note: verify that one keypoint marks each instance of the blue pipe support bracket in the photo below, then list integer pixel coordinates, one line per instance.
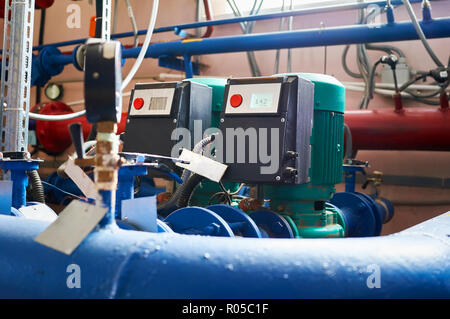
(19, 178)
(115, 263)
(354, 34)
(125, 189)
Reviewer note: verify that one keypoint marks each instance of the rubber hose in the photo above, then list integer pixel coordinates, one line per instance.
(188, 189)
(37, 189)
(164, 209)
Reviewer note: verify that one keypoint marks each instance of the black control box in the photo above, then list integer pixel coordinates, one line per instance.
(165, 117)
(266, 124)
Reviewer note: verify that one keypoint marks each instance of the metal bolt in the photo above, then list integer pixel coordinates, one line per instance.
(278, 178)
(174, 120)
(222, 120)
(96, 75)
(282, 120)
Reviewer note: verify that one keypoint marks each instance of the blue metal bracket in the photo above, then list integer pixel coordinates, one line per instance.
(19, 177)
(179, 64)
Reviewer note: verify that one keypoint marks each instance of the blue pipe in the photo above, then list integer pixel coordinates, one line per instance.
(277, 15)
(354, 34)
(116, 263)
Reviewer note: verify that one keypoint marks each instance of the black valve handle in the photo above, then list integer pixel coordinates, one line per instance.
(76, 133)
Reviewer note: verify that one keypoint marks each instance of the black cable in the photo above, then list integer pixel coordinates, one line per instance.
(36, 187)
(412, 81)
(188, 189)
(99, 14)
(226, 193)
(41, 42)
(345, 66)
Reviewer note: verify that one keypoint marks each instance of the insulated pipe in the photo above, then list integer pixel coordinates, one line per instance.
(116, 263)
(414, 129)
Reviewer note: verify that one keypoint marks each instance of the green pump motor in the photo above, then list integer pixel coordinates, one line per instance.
(310, 161)
(306, 204)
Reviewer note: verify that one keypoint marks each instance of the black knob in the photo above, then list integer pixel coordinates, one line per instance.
(291, 154)
(290, 172)
(76, 132)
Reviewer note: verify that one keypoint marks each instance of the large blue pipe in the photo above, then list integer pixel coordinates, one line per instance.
(276, 15)
(354, 34)
(401, 31)
(127, 264)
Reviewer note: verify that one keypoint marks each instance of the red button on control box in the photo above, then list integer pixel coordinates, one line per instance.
(236, 100)
(138, 103)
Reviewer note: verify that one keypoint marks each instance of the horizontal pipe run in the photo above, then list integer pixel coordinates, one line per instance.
(414, 129)
(307, 11)
(354, 34)
(128, 264)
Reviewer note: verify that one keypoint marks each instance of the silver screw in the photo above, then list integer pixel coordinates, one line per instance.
(174, 120)
(96, 75)
(282, 120)
(222, 120)
(278, 178)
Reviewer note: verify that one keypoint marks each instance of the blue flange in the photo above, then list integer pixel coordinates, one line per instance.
(241, 224)
(363, 217)
(271, 224)
(198, 221)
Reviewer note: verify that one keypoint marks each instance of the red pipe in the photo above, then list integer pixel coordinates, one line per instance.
(424, 129)
(209, 29)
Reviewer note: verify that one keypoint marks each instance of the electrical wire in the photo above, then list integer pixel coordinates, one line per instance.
(420, 33)
(133, 23)
(125, 82)
(247, 27)
(64, 192)
(276, 66)
(64, 117)
(144, 48)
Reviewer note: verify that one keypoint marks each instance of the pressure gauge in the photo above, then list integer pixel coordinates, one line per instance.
(54, 91)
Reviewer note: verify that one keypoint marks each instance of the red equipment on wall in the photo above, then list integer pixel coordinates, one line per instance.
(39, 4)
(54, 136)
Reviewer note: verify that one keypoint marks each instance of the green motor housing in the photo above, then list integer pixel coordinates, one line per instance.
(206, 189)
(306, 204)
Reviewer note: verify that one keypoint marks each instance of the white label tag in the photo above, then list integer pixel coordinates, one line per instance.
(39, 212)
(84, 182)
(74, 223)
(202, 165)
(141, 212)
